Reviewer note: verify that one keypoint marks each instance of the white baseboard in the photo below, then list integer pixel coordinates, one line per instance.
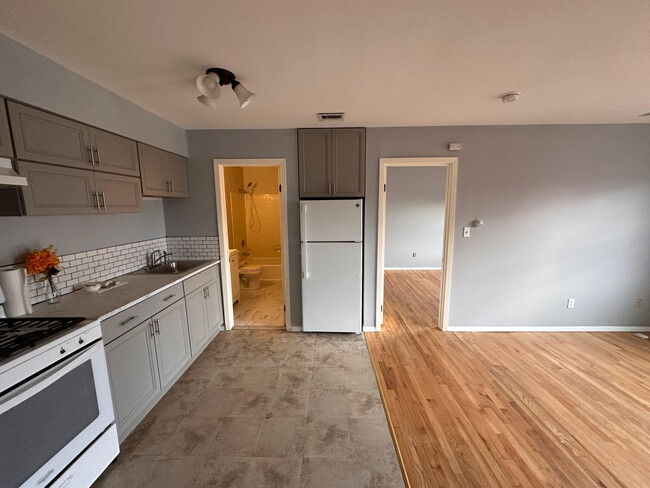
(547, 328)
(369, 328)
(425, 268)
(296, 328)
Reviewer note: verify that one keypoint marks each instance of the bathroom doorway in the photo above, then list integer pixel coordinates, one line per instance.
(252, 221)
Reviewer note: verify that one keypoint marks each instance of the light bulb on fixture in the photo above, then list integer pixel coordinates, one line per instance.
(210, 102)
(245, 97)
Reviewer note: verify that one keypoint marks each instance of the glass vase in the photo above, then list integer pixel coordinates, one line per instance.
(52, 294)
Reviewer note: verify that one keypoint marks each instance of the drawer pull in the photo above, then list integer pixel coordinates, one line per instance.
(169, 297)
(122, 324)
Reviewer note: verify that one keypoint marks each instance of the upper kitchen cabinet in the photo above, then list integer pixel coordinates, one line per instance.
(6, 148)
(315, 162)
(117, 193)
(44, 137)
(163, 174)
(332, 162)
(54, 190)
(349, 162)
(113, 153)
(48, 138)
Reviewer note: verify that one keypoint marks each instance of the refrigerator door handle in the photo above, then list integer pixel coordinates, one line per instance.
(303, 261)
(303, 220)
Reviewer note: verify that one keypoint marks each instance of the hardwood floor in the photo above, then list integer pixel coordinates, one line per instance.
(509, 409)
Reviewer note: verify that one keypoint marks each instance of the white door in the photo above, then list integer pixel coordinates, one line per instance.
(331, 287)
(331, 220)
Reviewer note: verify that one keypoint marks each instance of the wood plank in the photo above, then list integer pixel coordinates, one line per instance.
(509, 409)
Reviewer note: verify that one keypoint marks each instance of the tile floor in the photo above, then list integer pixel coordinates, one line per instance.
(265, 409)
(260, 308)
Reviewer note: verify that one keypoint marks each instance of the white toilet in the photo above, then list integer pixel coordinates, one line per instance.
(251, 275)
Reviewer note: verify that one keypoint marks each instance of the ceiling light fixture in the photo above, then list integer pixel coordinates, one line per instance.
(210, 85)
(510, 97)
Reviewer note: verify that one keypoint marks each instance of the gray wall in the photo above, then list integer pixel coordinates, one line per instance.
(415, 216)
(566, 211)
(197, 215)
(34, 79)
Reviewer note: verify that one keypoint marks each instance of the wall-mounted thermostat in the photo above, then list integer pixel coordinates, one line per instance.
(454, 146)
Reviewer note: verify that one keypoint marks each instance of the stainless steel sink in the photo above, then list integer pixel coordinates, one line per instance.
(173, 267)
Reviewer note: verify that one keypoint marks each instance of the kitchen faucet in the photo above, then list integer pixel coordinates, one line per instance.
(164, 255)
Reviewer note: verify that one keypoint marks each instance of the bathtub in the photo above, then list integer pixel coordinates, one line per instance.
(271, 267)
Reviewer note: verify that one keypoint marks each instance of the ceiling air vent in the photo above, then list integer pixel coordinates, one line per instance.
(325, 116)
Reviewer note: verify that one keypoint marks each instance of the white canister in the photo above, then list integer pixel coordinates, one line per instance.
(14, 286)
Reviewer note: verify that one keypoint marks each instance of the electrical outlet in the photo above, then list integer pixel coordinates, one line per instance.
(571, 303)
(638, 303)
(466, 231)
(414, 254)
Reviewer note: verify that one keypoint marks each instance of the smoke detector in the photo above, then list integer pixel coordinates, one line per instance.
(510, 97)
(326, 116)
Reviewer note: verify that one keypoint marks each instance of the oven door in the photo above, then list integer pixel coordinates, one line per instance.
(48, 421)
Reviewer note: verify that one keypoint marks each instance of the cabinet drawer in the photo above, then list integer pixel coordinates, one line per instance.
(124, 321)
(200, 279)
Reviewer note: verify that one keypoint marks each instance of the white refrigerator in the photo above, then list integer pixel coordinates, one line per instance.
(331, 235)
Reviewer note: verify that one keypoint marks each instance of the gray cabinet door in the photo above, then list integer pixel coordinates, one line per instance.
(197, 319)
(213, 308)
(118, 194)
(176, 174)
(53, 190)
(133, 372)
(315, 161)
(48, 138)
(114, 154)
(6, 147)
(152, 170)
(172, 342)
(349, 162)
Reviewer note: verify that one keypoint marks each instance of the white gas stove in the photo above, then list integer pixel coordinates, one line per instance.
(56, 412)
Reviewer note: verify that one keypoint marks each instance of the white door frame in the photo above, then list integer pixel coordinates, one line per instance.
(222, 225)
(448, 242)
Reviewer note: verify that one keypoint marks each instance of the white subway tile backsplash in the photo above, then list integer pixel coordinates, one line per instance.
(106, 263)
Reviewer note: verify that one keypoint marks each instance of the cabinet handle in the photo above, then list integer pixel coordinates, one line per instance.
(169, 186)
(205, 292)
(104, 200)
(96, 195)
(207, 289)
(92, 155)
(169, 297)
(122, 324)
(99, 158)
(157, 326)
(171, 183)
(334, 187)
(151, 327)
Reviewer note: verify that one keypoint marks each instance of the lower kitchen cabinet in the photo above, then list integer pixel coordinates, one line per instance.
(133, 372)
(204, 315)
(172, 341)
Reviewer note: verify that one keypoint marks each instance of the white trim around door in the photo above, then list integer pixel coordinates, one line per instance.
(450, 214)
(222, 225)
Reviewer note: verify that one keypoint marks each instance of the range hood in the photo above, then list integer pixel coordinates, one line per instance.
(8, 177)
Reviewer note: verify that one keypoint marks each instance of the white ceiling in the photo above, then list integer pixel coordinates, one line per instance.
(382, 62)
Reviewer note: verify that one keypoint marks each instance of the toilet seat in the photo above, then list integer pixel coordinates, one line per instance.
(250, 269)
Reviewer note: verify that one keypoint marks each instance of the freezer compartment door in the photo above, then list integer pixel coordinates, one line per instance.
(331, 220)
(331, 287)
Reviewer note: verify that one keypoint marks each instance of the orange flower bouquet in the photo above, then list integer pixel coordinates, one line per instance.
(47, 262)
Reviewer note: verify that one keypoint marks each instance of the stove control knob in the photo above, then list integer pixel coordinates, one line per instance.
(81, 341)
(62, 351)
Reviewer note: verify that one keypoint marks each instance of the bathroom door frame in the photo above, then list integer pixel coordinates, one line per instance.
(222, 225)
(448, 241)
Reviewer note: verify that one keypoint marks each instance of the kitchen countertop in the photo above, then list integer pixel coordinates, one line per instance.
(100, 306)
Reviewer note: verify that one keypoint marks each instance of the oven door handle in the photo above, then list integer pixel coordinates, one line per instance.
(46, 378)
